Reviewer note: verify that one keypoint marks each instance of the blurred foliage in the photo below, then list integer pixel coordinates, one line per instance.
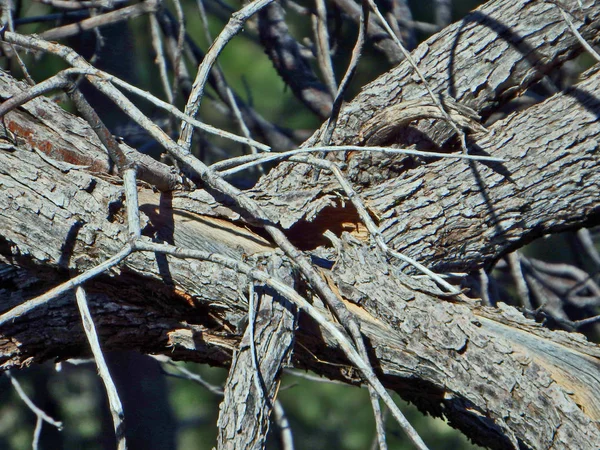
(322, 415)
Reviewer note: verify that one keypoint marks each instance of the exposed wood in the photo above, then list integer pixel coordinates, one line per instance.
(504, 380)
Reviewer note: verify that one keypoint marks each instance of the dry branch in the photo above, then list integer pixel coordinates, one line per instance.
(504, 380)
(443, 356)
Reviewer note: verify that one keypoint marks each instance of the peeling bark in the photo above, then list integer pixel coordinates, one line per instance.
(502, 379)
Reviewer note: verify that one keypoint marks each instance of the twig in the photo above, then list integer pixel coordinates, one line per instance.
(377, 441)
(131, 203)
(582, 322)
(577, 34)
(339, 98)
(58, 81)
(375, 32)
(160, 57)
(403, 24)
(177, 65)
(323, 49)
(218, 73)
(240, 163)
(235, 24)
(379, 419)
(514, 263)
(315, 378)
(274, 136)
(289, 293)
(186, 118)
(415, 67)
(585, 238)
(37, 433)
(41, 416)
(72, 4)
(117, 155)
(565, 280)
(484, 283)
(129, 12)
(188, 375)
(171, 32)
(287, 440)
(30, 305)
(116, 408)
(7, 8)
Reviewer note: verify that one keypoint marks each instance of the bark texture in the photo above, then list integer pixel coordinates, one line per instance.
(251, 386)
(503, 379)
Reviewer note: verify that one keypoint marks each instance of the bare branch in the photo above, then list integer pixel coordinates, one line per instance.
(116, 408)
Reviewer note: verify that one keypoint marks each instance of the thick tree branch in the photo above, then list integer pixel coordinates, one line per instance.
(441, 355)
(504, 380)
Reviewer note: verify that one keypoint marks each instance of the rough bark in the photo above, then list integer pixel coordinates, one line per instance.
(249, 395)
(502, 379)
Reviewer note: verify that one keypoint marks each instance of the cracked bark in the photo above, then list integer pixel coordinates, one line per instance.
(502, 379)
(249, 396)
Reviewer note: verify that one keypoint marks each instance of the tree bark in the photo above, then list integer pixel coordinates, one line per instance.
(501, 378)
(251, 387)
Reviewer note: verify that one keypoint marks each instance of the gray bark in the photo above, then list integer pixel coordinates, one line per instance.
(249, 396)
(502, 379)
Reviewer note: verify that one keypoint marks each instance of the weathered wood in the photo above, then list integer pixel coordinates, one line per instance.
(502, 379)
(245, 410)
(459, 216)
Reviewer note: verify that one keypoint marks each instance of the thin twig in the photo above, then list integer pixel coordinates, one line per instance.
(289, 293)
(36, 302)
(188, 375)
(585, 238)
(231, 101)
(315, 378)
(37, 433)
(131, 203)
(72, 4)
(379, 419)
(339, 98)
(514, 263)
(577, 34)
(7, 8)
(186, 118)
(160, 57)
(117, 155)
(415, 67)
(84, 68)
(120, 15)
(484, 283)
(116, 408)
(323, 50)
(40, 414)
(234, 26)
(180, 40)
(375, 32)
(280, 418)
(237, 164)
